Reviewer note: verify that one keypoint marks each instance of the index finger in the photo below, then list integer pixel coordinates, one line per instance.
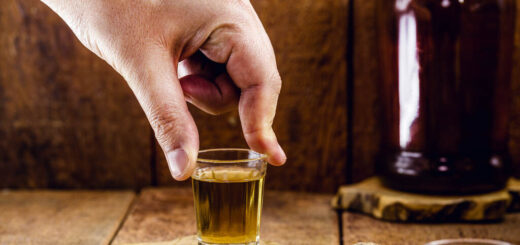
(252, 66)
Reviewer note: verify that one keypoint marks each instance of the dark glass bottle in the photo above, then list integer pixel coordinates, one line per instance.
(446, 67)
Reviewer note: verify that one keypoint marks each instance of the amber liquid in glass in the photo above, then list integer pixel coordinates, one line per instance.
(228, 203)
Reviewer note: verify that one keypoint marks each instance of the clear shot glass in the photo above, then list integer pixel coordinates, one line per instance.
(228, 187)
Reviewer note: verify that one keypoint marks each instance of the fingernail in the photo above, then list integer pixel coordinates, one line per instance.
(279, 157)
(283, 157)
(178, 162)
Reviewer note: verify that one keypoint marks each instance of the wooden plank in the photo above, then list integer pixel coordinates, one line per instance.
(361, 228)
(67, 120)
(514, 143)
(513, 186)
(61, 217)
(159, 215)
(309, 38)
(287, 218)
(366, 126)
(299, 219)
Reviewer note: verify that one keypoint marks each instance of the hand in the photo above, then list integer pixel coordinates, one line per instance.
(224, 58)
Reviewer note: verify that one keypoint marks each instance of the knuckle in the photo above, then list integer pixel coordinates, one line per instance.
(242, 12)
(275, 82)
(253, 132)
(241, 4)
(165, 125)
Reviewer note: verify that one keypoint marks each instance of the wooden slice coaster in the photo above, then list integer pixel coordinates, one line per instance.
(189, 240)
(513, 186)
(372, 198)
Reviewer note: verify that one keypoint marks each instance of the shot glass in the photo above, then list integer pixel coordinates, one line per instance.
(228, 187)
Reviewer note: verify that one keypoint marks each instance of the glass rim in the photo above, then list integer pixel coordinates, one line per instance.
(205, 160)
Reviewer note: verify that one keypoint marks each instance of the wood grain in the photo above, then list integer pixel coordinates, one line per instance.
(67, 120)
(309, 39)
(299, 219)
(513, 186)
(366, 128)
(287, 218)
(361, 228)
(372, 198)
(514, 130)
(61, 217)
(159, 215)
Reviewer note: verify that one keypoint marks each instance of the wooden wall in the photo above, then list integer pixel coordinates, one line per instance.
(67, 120)
(514, 143)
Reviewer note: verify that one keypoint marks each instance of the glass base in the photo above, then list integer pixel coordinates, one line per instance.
(448, 175)
(200, 242)
(249, 243)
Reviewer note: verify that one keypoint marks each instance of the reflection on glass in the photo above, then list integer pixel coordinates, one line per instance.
(408, 76)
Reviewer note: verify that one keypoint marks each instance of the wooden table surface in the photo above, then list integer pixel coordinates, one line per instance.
(287, 218)
(61, 217)
(358, 227)
(157, 215)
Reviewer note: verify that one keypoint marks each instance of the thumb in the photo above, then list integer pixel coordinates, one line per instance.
(159, 92)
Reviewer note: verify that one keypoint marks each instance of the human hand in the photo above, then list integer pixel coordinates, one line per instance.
(224, 57)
